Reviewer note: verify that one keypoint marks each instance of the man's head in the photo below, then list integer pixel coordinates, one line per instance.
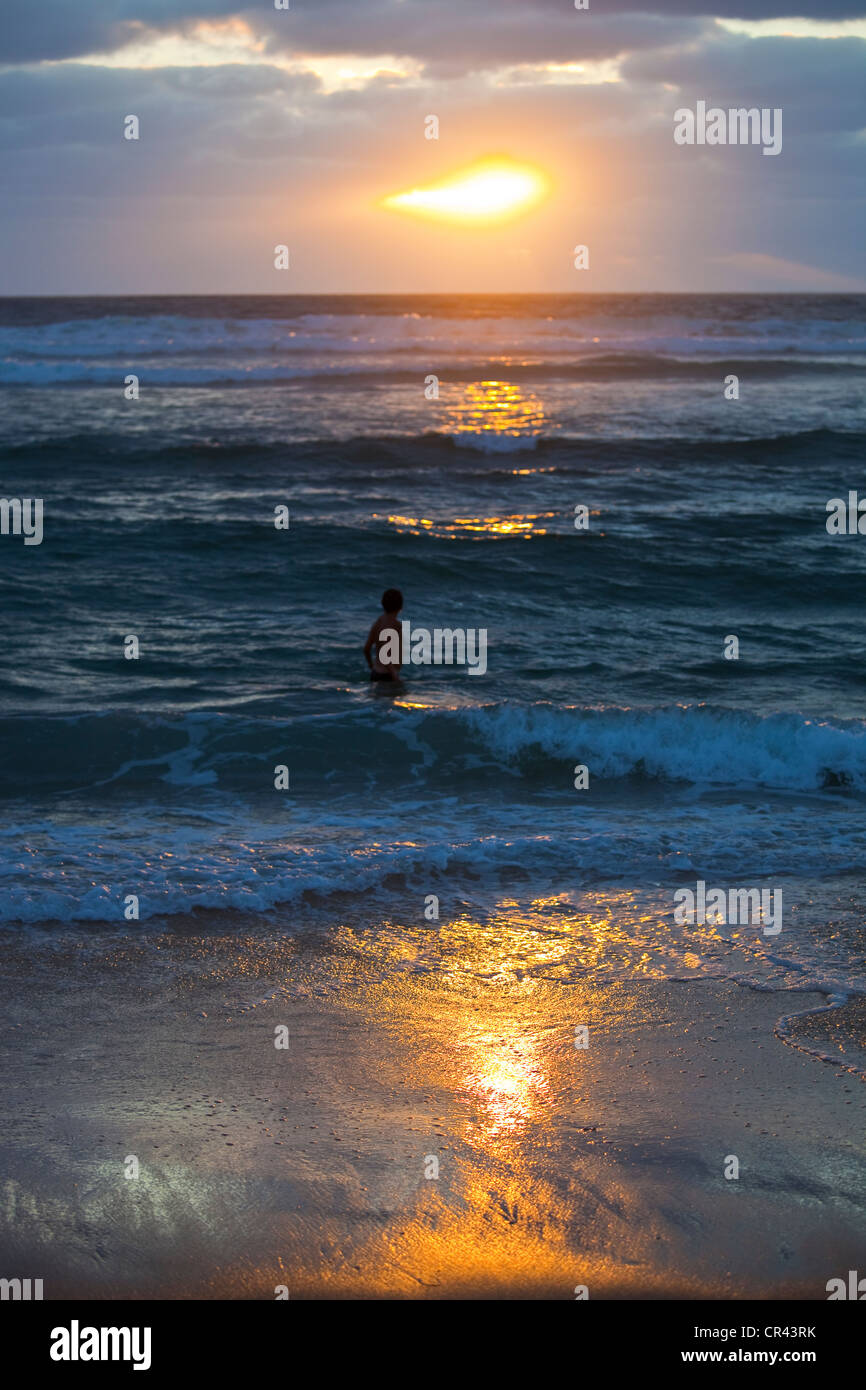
(392, 600)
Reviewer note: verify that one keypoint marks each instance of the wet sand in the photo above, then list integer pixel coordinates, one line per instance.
(311, 1167)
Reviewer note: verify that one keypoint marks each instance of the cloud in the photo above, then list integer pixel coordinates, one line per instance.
(818, 83)
(774, 273)
(441, 33)
(234, 158)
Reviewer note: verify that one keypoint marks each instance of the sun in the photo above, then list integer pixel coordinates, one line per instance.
(491, 190)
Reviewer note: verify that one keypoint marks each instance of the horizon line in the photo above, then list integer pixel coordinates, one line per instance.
(402, 294)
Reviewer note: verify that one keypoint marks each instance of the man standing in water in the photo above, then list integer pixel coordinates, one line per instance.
(383, 628)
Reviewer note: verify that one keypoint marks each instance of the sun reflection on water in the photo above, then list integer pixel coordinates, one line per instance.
(493, 408)
(515, 524)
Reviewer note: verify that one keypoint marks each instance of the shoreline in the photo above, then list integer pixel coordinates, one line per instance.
(307, 1166)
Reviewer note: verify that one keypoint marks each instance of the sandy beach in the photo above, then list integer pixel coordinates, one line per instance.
(305, 1167)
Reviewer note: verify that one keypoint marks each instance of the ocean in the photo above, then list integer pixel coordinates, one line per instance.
(440, 444)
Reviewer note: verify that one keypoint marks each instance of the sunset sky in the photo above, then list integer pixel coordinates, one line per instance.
(263, 126)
